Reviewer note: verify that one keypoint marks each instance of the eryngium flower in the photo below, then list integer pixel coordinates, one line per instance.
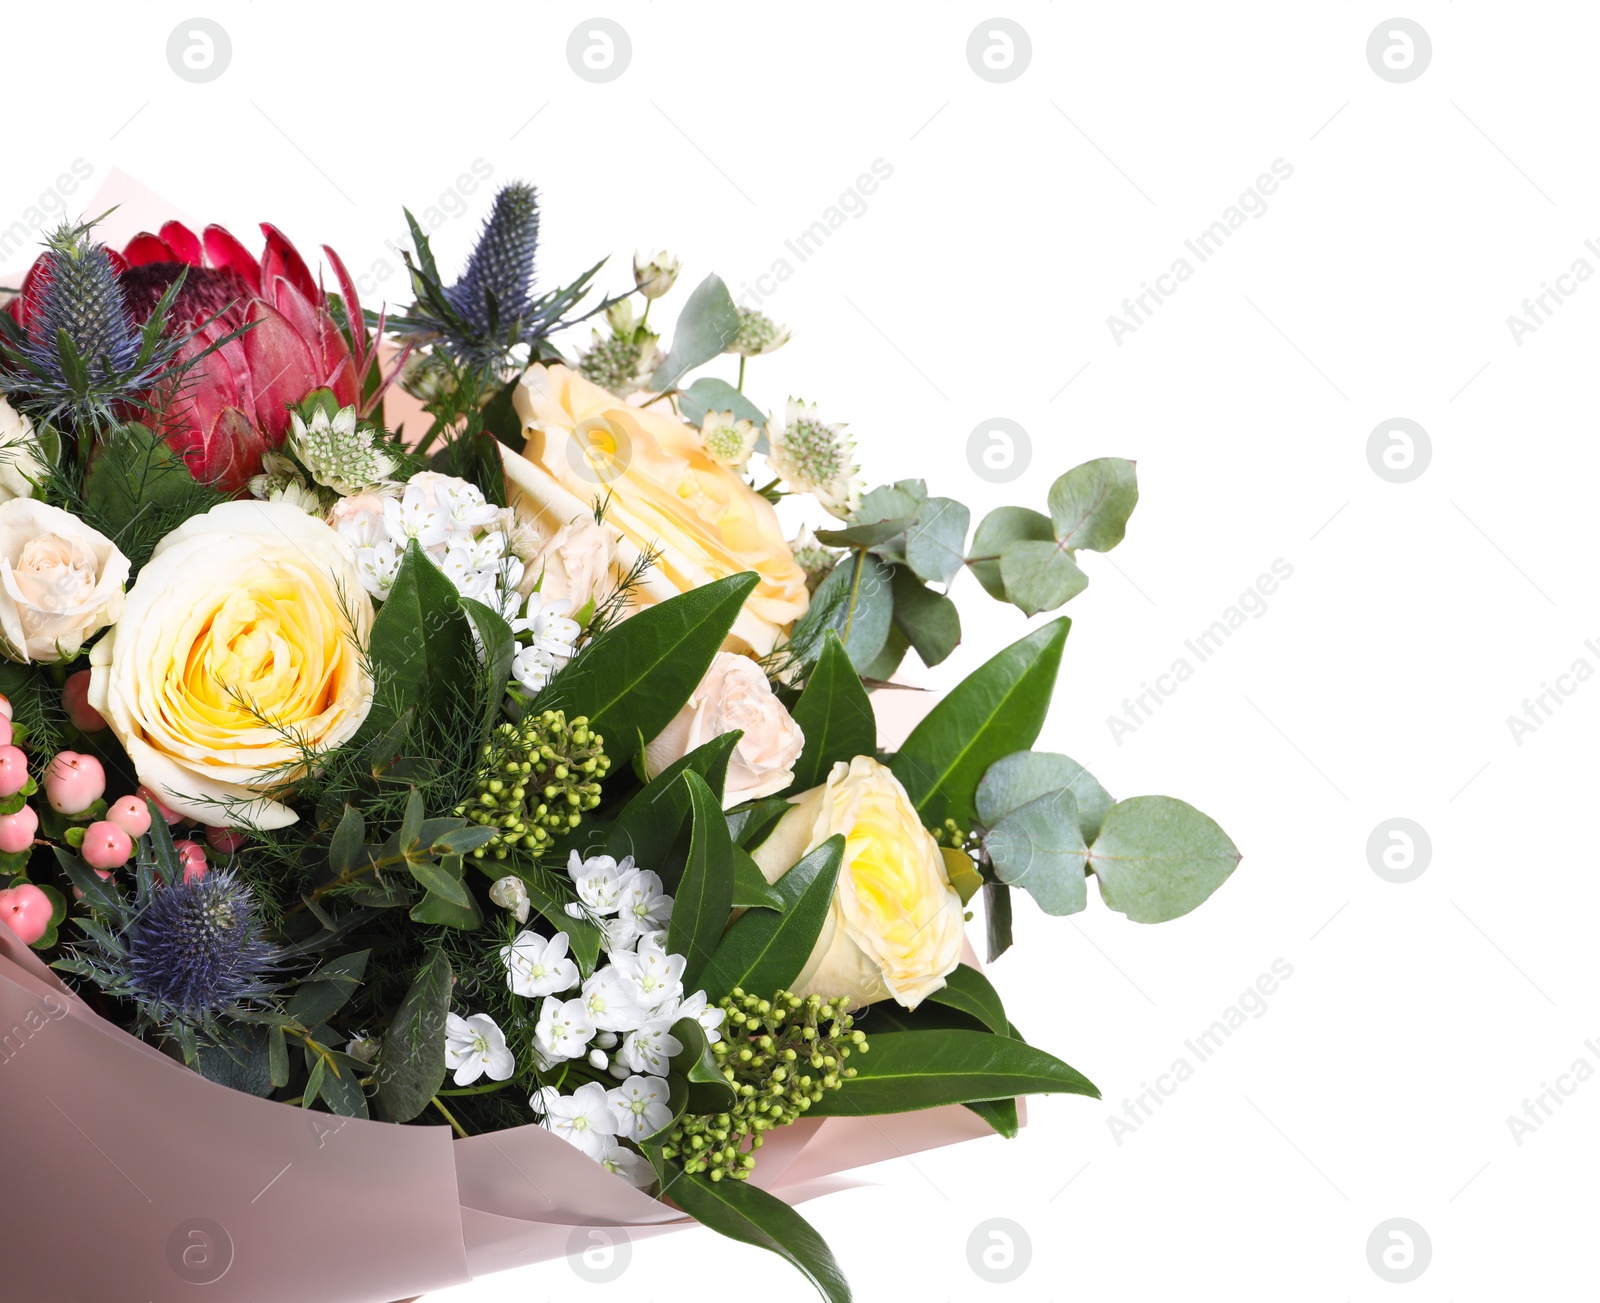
(196, 949)
(501, 266)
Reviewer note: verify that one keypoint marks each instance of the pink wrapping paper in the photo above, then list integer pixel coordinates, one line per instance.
(129, 1177)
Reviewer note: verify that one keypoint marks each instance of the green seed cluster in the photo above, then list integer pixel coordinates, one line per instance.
(538, 779)
(951, 834)
(617, 364)
(779, 1055)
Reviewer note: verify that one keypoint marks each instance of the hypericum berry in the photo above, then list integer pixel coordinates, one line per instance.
(13, 770)
(74, 782)
(149, 798)
(18, 830)
(106, 845)
(131, 814)
(225, 840)
(75, 700)
(27, 911)
(192, 856)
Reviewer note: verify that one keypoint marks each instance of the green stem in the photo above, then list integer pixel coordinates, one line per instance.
(460, 1130)
(740, 385)
(855, 590)
(485, 1089)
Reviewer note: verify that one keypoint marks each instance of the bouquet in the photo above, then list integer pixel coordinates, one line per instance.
(504, 773)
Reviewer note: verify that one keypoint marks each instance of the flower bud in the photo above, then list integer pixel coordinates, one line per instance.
(655, 276)
(73, 782)
(511, 893)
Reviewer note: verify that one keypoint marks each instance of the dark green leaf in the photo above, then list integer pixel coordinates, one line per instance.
(882, 666)
(419, 643)
(704, 897)
(997, 709)
(709, 1091)
(749, 1214)
(342, 1092)
(413, 1047)
(929, 620)
(997, 915)
(246, 1067)
(968, 990)
(926, 1069)
(136, 473)
(499, 647)
(764, 952)
(751, 824)
(649, 824)
(443, 880)
(677, 1101)
(834, 714)
(634, 677)
(347, 850)
(277, 1057)
(1001, 1114)
(750, 889)
(323, 994)
(440, 912)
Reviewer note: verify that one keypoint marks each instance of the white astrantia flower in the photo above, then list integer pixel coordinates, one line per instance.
(608, 1001)
(728, 440)
(640, 1106)
(629, 1164)
(654, 978)
(345, 458)
(812, 456)
(583, 1119)
(563, 1030)
(758, 334)
(642, 906)
(536, 966)
(650, 1048)
(599, 883)
(710, 1018)
(475, 1046)
(655, 274)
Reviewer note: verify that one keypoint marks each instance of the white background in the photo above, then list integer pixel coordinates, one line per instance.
(977, 283)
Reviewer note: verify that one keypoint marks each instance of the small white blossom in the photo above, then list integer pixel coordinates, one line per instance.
(654, 978)
(511, 893)
(650, 1048)
(599, 883)
(475, 1046)
(710, 1018)
(629, 1164)
(655, 275)
(536, 966)
(728, 440)
(563, 1029)
(642, 906)
(583, 1119)
(608, 1001)
(640, 1106)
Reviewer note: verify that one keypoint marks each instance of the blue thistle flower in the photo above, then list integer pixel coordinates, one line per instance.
(80, 296)
(501, 266)
(196, 948)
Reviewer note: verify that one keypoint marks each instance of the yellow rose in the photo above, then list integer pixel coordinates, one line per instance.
(243, 634)
(661, 491)
(895, 927)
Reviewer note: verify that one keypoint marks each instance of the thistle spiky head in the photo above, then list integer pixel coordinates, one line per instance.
(79, 293)
(500, 269)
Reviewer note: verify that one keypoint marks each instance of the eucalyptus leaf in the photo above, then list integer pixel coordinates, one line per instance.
(858, 604)
(872, 534)
(706, 325)
(929, 620)
(936, 544)
(1040, 576)
(1018, 778)
(1038, 847)
(708, 394)
(1001, 527)
(413, 1047)
(1091, 503)
(324, 993)
(1157, 858)
(881, 667)
(997, 709)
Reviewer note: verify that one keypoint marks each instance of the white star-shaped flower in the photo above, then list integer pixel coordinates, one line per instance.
(640, 1106)
(475, 1046)
(536, 966)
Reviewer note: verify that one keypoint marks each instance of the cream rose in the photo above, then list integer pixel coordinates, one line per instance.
(246, 626)
(575, 565)
(21, 466)
(60, 581)
(661, 491)
(895, 927)
(734, 694)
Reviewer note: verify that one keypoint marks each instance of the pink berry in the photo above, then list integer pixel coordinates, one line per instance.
(27, 911)
(225, 840)
(5, 705)
(6, 732)
(166, 812)
(13, 770)
(17, 830)
(73, 782)
(193, 857)
(75, 698)
(106, 846)
(131, 815)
